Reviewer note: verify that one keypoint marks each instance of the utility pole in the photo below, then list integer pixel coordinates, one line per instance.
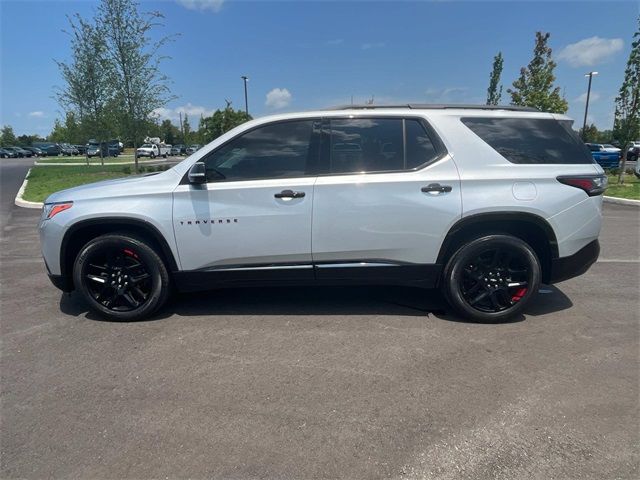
(181, 129)
(586, 108)
(246, 101)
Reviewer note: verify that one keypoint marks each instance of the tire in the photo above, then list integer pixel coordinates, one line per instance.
(152, 155)
(120, 259)
(492, 278)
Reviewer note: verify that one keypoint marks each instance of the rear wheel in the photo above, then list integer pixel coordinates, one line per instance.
(121, 277)
(492, 278)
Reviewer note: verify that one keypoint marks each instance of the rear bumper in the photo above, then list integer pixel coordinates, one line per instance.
(62, 282)
(565, 268)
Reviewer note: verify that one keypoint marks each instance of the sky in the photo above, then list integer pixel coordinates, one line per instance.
(313, 54)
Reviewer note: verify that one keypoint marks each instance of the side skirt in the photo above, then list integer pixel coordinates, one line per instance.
(335, 273)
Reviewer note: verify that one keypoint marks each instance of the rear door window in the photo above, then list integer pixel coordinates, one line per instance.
(360, 145)
(530, 140)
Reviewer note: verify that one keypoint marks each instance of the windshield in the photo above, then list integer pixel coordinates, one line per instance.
(147, 145)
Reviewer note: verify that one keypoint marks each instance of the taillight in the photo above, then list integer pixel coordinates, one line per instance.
(591, 184)
(53, 209)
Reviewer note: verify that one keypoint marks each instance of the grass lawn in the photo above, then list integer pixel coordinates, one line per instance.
(92, 161)
(43, 181)
(630, 189)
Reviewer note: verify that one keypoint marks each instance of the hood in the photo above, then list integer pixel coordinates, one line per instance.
(119, 187)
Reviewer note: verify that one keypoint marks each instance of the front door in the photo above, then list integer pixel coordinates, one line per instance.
(253, 216)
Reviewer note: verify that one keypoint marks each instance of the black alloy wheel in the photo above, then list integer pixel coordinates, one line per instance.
(121, 277)
(117, 279)
(492, 278)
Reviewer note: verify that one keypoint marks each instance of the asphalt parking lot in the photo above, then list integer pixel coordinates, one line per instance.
(319, 383)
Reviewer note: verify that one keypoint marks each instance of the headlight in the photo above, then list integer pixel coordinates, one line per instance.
(52, 209)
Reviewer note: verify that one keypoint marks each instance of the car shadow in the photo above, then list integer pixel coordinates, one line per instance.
(371, 300)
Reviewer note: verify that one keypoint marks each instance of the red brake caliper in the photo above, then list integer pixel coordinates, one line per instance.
(519, 294)
(130, 253)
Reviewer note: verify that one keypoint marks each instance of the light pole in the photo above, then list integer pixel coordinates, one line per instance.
(246, 102)
(586, 107)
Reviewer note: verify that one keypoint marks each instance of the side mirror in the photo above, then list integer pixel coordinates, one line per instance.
(198, 173)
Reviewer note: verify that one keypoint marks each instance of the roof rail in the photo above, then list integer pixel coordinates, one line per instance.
(436, 106)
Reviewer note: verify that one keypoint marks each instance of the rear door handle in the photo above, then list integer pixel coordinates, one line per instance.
(289, 194)
(436, 188)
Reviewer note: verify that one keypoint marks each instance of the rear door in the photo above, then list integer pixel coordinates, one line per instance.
(391, 195)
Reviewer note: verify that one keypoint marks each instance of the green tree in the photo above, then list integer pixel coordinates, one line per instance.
(221, 122)
(169, 132)
(139, 85)
(494, 92)
(87, 95)
(59, 132)
(186, 130)
(590, 134)
(534, 87)
(626, 125)
(7, 137)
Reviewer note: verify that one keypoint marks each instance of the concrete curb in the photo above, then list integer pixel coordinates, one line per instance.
(25, 203)
(621, 201)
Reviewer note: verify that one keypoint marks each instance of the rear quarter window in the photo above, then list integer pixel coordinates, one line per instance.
(530, 140)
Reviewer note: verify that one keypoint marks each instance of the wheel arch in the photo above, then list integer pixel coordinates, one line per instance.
(84, 231)
(531, 228)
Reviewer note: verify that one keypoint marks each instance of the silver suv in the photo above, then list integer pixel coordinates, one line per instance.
(483, 202)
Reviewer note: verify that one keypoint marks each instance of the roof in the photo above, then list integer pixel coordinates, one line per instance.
(436, 106)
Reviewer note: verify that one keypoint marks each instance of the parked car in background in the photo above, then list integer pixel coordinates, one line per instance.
(604, 158)
(277, 204)
(35, 151)
(108, 149)
(153, 148)
(176, 150)
(612, 148)
(6, 153)
(20, 153)
(634, 151)
(193, 148)
(82, 149)
(50, 149)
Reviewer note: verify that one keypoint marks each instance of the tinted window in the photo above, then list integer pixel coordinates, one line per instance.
(273, 151)
(366, 145)
(420, 148)
(529, 140)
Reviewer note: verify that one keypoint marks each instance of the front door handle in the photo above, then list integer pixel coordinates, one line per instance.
(289, 194)
(436, 188)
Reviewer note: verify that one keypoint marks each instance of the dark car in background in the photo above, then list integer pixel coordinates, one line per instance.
(82, 149)
(50, 149)
(6, 153)
(109, 149)
(35, 151)
(19, 152)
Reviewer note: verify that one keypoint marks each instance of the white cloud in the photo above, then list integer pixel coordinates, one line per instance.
(278, 98)
(213, 5)
(590, 51)
(173, 114)
(37, 114)
(369, 46)
(592, 98)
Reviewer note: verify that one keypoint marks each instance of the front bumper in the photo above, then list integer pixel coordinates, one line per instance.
(574, 265)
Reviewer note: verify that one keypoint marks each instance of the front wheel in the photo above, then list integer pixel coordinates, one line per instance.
(121, 277)
(492, 278)
(153, 155)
